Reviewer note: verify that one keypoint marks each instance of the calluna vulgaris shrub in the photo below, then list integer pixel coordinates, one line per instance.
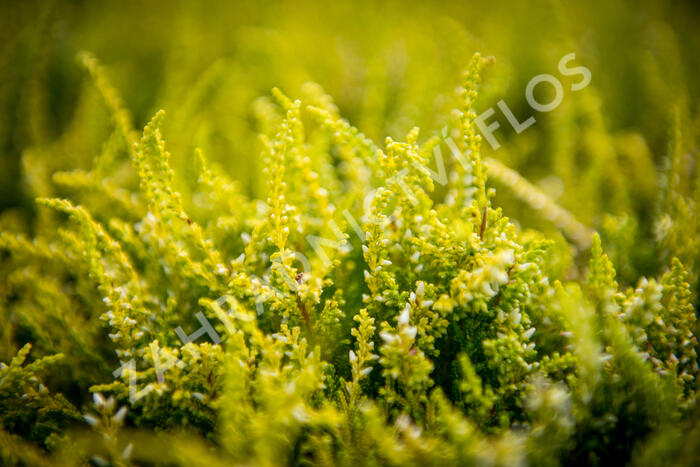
(324, 296)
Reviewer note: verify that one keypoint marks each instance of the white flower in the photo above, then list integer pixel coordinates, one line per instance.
(516, 316)
(98, 399)
(91, 419)
(387, 337)
(127, 451)
(410, 331)
(119, 416)
(405, 315)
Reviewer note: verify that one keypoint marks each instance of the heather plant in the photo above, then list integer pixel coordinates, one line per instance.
(326, 295)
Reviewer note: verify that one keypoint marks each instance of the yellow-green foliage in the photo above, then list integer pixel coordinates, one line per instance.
(269, 276)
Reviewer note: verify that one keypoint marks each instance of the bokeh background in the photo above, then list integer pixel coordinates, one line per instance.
(388, 65)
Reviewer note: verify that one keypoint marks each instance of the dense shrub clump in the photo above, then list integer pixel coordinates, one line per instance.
(365, 304)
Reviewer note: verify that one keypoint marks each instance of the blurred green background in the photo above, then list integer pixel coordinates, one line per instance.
(388, 65)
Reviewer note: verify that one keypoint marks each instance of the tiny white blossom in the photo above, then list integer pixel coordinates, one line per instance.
(91, 419)
(121, 413)
(387, 337)
(405, 315)
(98, 399)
